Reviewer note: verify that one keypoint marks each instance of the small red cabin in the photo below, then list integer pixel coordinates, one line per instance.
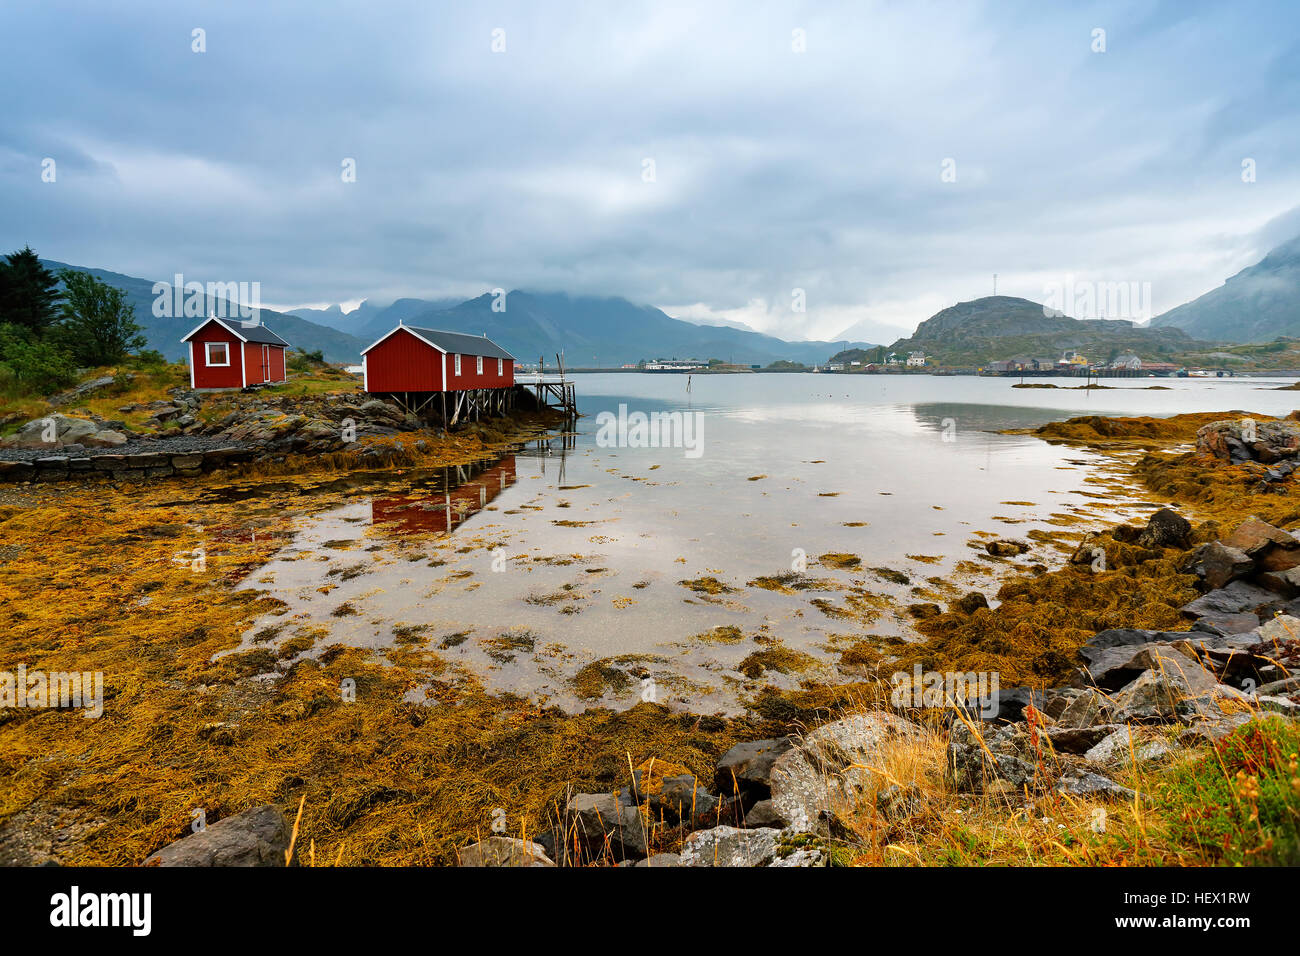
(229, 354)
(411, 359)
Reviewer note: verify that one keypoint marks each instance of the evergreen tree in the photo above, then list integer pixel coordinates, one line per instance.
(29, 292)
(99, 324)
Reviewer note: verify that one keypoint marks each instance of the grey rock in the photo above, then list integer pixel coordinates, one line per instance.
(1006, 758)
(1088, 708)
(1086, 784)
(504, 851)
(1285, 583)
(1278, 705)
(1237, 597)
(1220, 565)
(730, 846)
(1155, 694)
(105, 438)
(1281, 628)
(606, 824)
(661, 859)
(763, 814)
(748, 766)
(256, 837)
(1287, 685)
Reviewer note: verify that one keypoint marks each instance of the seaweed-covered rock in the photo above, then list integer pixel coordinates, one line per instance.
(1165, 529)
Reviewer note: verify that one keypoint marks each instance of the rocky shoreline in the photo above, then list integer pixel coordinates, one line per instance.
(183, 442)
(811, 777)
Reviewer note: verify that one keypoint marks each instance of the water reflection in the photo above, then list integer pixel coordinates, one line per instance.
(466, 490)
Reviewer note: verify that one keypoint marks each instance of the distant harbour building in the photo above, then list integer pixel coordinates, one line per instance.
(674, 365)
(916, 360)
(1127, 362)
(1021, 363)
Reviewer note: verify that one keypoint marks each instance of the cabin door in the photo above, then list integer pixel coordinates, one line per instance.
(266, 363)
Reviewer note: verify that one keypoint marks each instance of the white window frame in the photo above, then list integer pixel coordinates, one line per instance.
(501, 367)
(457, 364)
(207, 354)
(478, 369)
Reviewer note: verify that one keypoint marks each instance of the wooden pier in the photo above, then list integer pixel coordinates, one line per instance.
(554, 391)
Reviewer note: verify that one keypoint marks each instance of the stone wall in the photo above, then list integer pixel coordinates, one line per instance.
(129, 467)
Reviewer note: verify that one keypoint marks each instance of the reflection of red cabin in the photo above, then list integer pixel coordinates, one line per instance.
(446, 511)
(226, 354)
(410, 359)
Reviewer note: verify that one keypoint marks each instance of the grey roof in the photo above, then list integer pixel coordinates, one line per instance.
(251, 333)
(462, 342)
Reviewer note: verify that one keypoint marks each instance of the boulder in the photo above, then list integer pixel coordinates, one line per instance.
(1165, 529)
(52, 431)
(763, 814)
(661, 859)
(747, 767)
(730, 846)
(1235, 598)
(1082, 783)
(105, 438)
(256, 837)
(1006, 758)
(504, 851)
(825, 774)
(1124, 746)
(1255, 537)
(1116, 667)
(1220, 564)
(1279, 629)
(1285, 583)
(606, 824)
(1089, 707)
(1156, 694)
(1226, 625)
(1003, 548)
(1241, 440)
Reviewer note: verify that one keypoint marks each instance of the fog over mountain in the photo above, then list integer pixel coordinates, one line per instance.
(1258, 304)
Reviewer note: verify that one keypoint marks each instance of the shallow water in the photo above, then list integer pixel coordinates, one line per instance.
(524, 570)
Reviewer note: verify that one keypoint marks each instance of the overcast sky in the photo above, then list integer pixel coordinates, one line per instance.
(773, 169)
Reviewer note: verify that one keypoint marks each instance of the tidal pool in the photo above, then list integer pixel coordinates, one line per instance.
(817, 509)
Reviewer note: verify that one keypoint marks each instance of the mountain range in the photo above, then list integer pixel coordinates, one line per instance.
(1257, 304)
(592, 331)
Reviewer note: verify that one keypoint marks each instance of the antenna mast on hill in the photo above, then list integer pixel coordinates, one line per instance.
(995, 283)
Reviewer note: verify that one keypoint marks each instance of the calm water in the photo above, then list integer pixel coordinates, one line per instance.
(524, 570)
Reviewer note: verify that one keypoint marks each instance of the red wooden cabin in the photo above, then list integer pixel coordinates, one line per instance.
(411, 359)
(229, 354)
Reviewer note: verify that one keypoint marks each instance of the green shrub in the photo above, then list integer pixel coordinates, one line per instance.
(1240, 803)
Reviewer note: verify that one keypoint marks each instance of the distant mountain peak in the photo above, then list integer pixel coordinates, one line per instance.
(1258, 304)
